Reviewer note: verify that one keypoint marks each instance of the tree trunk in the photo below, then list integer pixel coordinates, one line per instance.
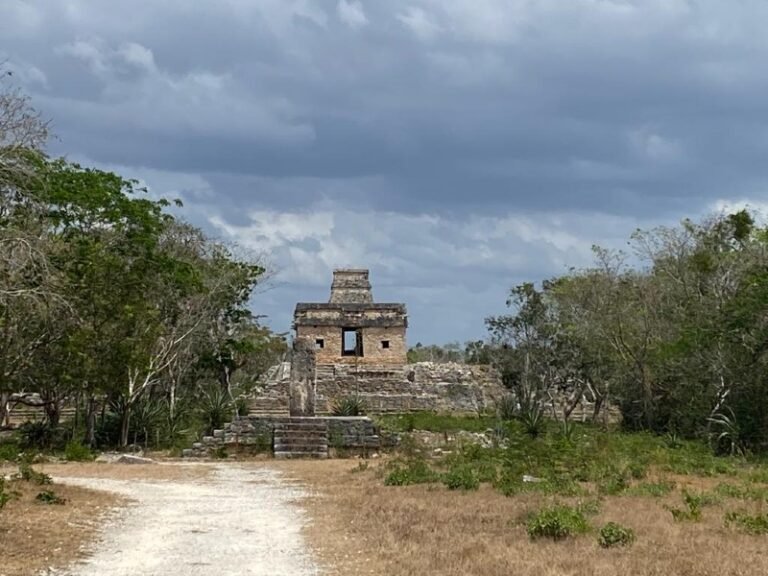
(90, 422)
(4, 411)
(125, 424)
(52, 409)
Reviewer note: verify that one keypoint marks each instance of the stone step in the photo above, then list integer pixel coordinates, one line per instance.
(302, 436)
(300, 447)
(297, 455)
(301, 426)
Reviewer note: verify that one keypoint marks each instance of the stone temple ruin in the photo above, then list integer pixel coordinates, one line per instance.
(351, 328)
(350, 346)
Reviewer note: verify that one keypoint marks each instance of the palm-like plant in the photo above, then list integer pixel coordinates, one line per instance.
(727, 432)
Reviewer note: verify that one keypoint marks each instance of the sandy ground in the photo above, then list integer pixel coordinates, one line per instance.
(239, 520)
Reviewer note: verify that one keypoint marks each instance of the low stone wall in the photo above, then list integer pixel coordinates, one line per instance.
(256, 434)
(455, 388)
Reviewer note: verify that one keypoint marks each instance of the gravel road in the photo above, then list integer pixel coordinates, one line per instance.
(240, 521)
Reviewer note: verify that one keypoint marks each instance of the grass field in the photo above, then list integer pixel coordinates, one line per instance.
(468, 511)
(578, 502)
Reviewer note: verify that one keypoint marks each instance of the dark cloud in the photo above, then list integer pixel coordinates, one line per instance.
(475, 113)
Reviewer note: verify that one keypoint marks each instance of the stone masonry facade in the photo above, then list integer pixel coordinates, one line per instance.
(351, 328)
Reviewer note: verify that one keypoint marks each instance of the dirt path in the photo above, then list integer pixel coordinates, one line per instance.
(239, 521)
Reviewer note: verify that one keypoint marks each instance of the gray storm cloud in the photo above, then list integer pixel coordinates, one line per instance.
(454, 146)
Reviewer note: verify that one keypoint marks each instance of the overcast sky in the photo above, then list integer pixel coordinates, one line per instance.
(454, 147)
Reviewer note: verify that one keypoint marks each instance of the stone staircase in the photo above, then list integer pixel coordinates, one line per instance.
(268, 406)
(301, 438)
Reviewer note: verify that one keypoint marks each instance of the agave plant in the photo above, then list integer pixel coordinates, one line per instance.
(727, 432)
(531, 413)
(507, 407)
(348, 406)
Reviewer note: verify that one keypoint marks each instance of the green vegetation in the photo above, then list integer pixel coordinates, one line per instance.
(461, 477)
(6, 495)
(76, 452)
(413, 471)
(652, 489)
(591, 460)
(50, 497)
(349, 406)
(613, 535)
(677, 341)
(113, 305)
(557, 523)
(29, 474)
(432, 422)
(693, 506)
(756, 524)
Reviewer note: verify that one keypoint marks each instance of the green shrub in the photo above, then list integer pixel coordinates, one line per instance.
(758, 493)
(50, 497)
(349, 406)
(506, 407)
(590, 507)
(6, 495)
(638, 470)
(751, 524)
(693, 505)
(612, 482)
(242, 406)
(461, 478)
(76, 452)
(9, 451)
(557, 523)
(28, 474)
(612, 535)
(411, 472)
(42, 436)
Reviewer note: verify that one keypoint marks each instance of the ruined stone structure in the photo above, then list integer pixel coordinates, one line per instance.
(349, 346)
(351, 328)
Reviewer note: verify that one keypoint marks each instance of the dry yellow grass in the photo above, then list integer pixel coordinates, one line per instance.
(361, 526)
(34, 536)
(160, 471)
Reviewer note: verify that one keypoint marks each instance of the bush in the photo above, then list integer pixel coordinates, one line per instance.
(557, 523)
(76, 452)
(42, 436)
(412, 472)
(9, 451)
(50, 497)
(693, 505)
(5, 494)
(506, 408)
(242, 406)
(612, 535)
(751, 524)
(638, 470)
(461, 477)
(28, 474)
(349, 406)
(612, 482)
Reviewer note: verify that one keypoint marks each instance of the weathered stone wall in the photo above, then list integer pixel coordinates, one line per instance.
(417, 387)
(412, 388)
(373, 348)
(256, 434)
(351, 285)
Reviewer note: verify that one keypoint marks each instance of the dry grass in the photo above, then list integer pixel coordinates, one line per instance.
(34, 536)
(363, 527)
(147, 472)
